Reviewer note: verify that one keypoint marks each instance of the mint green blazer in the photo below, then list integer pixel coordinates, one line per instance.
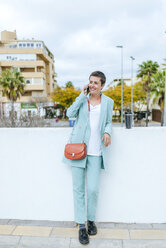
(79, 109)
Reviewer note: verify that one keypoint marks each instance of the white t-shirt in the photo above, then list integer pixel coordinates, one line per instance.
(94, 147)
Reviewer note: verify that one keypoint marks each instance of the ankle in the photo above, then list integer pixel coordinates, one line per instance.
(90, 221)
(81, 226)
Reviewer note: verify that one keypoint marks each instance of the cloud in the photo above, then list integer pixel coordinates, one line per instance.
(83, 34)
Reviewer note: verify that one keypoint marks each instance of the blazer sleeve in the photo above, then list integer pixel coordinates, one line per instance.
(73, 110)
(108, 126)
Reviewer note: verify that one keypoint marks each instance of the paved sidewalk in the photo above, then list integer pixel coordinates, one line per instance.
(53, 234)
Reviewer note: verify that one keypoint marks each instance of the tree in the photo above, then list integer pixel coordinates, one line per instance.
(65, 96)
(145, 72)
(158, 90)
(13, 87)
(115, 94)
(69, 84)
(139, 95)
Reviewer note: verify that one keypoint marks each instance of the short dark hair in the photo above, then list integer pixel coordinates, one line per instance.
(100, 75)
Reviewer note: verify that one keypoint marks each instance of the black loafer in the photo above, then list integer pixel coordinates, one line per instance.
(92, 229)
(83, 236)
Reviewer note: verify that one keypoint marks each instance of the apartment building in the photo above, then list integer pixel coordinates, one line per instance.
(36, 64)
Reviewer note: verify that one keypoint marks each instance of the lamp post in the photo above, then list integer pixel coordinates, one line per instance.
(165, 99)
(132, 59)
(121, 84)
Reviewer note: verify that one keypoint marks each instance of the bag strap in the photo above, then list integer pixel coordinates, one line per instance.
(86, 122)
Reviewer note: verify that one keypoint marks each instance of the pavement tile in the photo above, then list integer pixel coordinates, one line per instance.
(105, 225)
(64, 232)
(148, 234)
(140, 226)
(41, 223)
(97, 243)
(4, 221)
(32, 231)
(121, 225)
(6, 229)
(21, 222)
(67, 224)
(159, 226)
(113, 234)
(44, 242)
(70, 232)
(133, 225)
(144, 244)
(7, 241)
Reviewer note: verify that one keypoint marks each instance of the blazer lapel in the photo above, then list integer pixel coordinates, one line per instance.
(102, 109)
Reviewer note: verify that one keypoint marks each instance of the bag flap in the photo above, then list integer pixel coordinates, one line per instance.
(75, 148)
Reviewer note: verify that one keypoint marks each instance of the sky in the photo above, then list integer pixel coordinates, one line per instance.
(83, 34)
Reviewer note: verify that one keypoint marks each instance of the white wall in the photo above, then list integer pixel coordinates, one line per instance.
(36, 185)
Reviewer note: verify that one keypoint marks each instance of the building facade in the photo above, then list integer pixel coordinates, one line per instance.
(36, 64)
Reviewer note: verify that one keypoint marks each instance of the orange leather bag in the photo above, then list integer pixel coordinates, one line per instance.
(76, 151)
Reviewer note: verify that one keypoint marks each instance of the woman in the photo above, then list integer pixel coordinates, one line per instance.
(93, 127)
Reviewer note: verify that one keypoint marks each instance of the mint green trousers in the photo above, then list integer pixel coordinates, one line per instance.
(92, 172)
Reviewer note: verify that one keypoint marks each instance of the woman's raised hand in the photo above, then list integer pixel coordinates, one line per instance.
(84, 90)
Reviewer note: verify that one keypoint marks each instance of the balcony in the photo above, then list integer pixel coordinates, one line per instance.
(31, 87)
(39, 51)
(16, 63)
(33, 74)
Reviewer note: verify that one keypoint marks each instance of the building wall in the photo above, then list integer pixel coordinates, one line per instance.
(156, 115)
(7, 35)
(34, 61)
(33, 176)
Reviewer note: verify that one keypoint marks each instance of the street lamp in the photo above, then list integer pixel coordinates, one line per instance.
(121, 84)
(165, 101)
(132, 59)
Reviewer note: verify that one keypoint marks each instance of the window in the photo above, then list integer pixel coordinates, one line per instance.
(20, 45)
(32, 45)
(24, 45)
(13, 46)
(28, 81)
(28, 44)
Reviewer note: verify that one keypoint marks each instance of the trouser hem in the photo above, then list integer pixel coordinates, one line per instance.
(79, 222)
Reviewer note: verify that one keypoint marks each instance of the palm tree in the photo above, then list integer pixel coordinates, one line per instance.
(146, 71)
(158, 90)
(13, 87)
